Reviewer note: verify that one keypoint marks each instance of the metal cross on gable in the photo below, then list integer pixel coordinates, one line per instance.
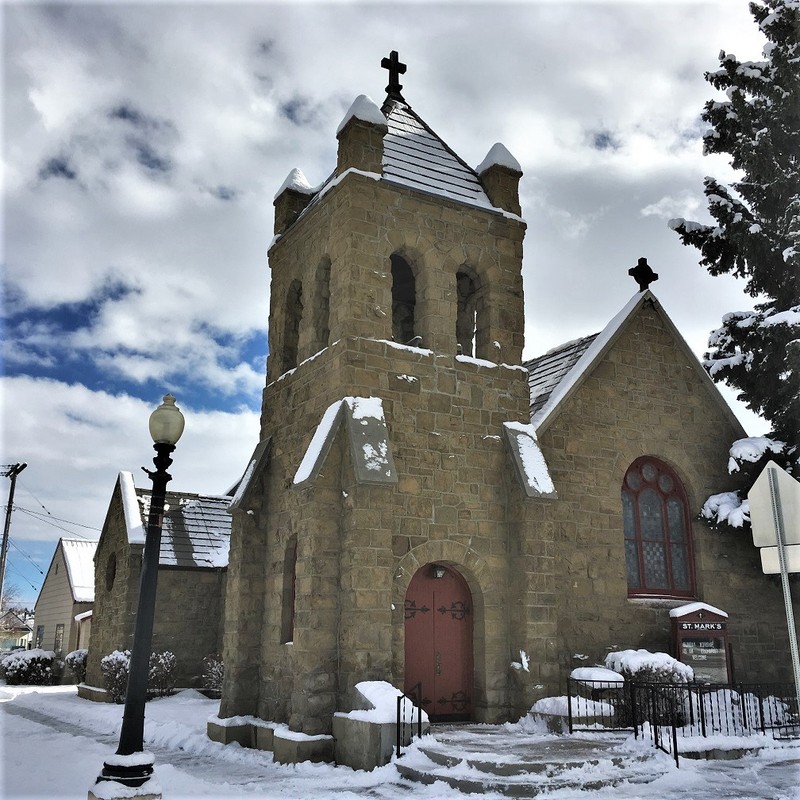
(396, 69)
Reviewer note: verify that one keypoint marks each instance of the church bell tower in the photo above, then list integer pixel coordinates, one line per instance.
(392, 471)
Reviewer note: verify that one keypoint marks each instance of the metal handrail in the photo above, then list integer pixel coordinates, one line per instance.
(401, 722)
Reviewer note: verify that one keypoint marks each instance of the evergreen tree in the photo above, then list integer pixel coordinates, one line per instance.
(757, 237)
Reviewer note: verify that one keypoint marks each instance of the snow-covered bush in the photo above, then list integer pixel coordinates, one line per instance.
(114, 667)
(213, 672)
(76, 663)
(161, 676)
(32, 667)
(646, 667)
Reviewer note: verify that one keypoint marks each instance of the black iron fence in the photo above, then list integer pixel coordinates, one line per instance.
(668, 713)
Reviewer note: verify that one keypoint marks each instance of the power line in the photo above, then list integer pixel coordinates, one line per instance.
(58, 519)
(42, 518)
(24, 578)
(12, 542)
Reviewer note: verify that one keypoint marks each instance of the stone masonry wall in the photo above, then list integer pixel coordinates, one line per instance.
(645, 398)
(115, 603)
(359, 546)
(189, 606)
(358, 226)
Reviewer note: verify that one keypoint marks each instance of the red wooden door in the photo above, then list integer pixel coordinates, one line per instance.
(438, 636)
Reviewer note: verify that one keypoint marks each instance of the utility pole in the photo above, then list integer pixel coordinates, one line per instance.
(8, 471)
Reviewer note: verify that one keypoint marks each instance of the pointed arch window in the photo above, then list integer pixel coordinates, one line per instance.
(658, 544)
(293, 313)
(404, 299)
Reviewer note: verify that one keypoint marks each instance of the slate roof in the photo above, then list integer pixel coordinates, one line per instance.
(196, 529)
(546, 372)
(79, 558)
(415, 156)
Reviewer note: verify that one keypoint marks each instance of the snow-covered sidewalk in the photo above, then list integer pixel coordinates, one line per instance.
(54, 744)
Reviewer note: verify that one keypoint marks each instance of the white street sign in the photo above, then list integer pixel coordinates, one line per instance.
(770, 563)
(762, 516)
(775, 518)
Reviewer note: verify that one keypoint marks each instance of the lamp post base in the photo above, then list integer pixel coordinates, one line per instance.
(128, 776)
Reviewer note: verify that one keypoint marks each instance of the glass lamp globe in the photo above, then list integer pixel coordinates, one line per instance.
(166, 422)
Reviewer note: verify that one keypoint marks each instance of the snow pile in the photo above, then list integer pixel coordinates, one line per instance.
(752, 449)
(594, 675)
(581, 707)
(726, 507)
(644, 665)
(382, 696)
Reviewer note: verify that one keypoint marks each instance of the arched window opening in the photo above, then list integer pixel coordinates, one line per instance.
(657, 525)
(291, 325)
(288, 594)
(467, 313)
(111, 571)
(321, 311)
(404, 298)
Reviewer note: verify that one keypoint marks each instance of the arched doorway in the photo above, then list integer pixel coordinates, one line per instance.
(438, 642)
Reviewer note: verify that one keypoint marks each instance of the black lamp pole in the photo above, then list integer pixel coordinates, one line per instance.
(138, 769)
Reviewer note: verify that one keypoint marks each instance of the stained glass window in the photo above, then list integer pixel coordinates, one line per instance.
(655, 516)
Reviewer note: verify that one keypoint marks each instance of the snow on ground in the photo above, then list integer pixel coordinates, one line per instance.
(54, 743)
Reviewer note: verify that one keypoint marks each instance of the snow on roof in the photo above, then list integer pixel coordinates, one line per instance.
(547, 371)
(84, 615)
(692, 608)
(196, 529)
(553, 379)
(596, 347)
(130, 508)
(415, 156)
(363, 108)
(498, 155)
(79, 558)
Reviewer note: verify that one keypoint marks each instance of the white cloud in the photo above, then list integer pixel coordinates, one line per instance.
(147, 155)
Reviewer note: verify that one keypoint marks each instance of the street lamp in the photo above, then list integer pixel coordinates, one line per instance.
(131, 766)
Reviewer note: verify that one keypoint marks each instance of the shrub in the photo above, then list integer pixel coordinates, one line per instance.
(213, 673)
(32, 667)
(160, 677)
(646, 667)
(76, 663)
(115, 674)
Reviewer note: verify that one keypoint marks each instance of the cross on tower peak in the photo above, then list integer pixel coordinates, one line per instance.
(396, 69)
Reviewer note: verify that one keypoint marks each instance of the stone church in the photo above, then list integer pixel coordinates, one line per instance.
(422, 506)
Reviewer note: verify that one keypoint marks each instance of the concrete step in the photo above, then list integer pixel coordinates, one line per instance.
(479, 759)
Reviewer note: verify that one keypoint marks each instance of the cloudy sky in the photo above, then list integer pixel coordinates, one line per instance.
(143, 145)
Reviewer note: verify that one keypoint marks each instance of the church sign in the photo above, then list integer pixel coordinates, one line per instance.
(700, 636)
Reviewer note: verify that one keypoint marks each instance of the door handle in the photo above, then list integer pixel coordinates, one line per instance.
(438, 663)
